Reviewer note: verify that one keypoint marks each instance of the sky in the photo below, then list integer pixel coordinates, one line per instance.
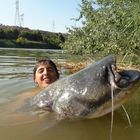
(47, 15)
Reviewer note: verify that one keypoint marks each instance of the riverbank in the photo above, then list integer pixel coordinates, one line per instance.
(19, 37)
(5, 43)
(76, 66)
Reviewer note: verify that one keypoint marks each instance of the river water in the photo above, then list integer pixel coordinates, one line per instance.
(16, 82)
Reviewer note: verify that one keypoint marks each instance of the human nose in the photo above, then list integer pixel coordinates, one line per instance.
(45, 72)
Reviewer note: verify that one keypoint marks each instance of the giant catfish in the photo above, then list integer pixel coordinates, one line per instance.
(89, 92)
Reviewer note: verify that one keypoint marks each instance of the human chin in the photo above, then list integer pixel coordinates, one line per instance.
(47, 81)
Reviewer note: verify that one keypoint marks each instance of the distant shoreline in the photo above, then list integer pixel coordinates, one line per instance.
(19, 37)
(5, 43)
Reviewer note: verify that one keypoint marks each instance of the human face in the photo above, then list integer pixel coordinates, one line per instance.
(45, 75)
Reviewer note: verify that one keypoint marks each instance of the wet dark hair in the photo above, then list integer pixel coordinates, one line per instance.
(45, 61)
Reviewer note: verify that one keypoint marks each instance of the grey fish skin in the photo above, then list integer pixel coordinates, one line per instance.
(87, 93)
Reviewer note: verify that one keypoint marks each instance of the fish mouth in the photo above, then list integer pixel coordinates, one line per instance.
(128, 77)
(127, 82)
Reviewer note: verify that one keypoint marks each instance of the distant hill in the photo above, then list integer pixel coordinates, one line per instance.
(14, 36)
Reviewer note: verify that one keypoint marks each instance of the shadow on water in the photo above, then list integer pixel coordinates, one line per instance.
(76, 130)
(16, 81)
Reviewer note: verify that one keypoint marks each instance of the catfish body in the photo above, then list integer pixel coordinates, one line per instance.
(87, 93)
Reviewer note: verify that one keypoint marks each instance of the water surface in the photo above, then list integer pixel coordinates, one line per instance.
(16, 82)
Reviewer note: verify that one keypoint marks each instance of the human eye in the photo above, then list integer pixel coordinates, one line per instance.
(40, 70)
(50, 69)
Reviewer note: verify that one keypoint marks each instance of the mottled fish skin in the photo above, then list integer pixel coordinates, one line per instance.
(87, 93)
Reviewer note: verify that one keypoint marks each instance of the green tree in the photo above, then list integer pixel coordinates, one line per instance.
(113, 27)
(2, 34)
(21, 41)
(31, 35)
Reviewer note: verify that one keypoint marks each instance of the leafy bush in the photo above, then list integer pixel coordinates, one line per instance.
(31, 35)
(21, 41)
(113, 27)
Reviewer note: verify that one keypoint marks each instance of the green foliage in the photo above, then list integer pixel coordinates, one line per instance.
(55, 40)
(31, 38)
(2, 34)
(52, 41)
(31, 35)
(21, 41)
(113, 27)
(8, 33)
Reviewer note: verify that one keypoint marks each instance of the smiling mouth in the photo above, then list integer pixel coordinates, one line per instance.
(46, 79)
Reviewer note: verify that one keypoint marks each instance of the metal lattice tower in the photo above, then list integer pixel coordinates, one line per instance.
(17, 15)
(53, 26)
(22, 20)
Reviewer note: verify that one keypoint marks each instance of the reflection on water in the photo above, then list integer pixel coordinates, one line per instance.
(16, 81)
